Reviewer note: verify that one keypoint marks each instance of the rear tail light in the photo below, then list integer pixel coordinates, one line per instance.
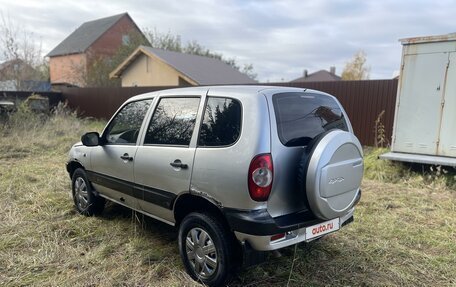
(260, 177)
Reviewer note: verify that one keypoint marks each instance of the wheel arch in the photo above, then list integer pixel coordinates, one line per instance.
(72, 166)
(188, 203)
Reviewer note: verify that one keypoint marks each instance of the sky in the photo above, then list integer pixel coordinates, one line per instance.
(280, 38)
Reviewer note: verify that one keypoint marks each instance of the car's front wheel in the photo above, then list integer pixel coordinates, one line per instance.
(85, 201)
(207, 249)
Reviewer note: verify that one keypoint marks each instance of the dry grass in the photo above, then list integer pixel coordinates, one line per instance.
(404, 233)
(412, 175)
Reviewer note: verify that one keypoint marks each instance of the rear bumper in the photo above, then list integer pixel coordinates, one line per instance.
(259, 222)
(264, 243)
(256, 227)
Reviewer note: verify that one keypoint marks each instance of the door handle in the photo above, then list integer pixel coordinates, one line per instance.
(177, 163)
(126, 157)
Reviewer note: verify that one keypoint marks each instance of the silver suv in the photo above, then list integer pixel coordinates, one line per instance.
(237, 169)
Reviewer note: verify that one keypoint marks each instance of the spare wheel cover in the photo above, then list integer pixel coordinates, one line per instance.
(334, 174)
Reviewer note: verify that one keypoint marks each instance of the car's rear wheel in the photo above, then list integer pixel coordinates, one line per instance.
(330, 173)
(207, 249)
(85, 201)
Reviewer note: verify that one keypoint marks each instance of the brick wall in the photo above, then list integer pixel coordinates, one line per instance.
(109, 43)
(69, 69)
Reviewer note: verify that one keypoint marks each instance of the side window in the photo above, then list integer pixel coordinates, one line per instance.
(125, 126)
(221, 123)
(173, 122)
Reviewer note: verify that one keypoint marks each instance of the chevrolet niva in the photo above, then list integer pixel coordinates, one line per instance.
(235, 168)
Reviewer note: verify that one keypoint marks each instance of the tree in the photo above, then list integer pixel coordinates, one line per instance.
(165, 41)
(21, 50)
(97, 74)
(356, 68)
(171, 42)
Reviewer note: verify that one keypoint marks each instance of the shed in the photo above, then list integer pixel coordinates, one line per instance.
(425, 117)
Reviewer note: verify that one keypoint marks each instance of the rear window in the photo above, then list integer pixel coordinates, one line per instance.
(303, 116)
(221, 122)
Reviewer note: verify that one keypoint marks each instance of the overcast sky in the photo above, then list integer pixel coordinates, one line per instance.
(280, 38)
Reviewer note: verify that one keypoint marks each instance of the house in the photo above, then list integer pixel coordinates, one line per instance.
(17, 69)
(17, 75)
(70, 60)
(148, 66)
(320, 76)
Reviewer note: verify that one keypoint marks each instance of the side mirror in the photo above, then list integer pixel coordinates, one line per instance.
(91, 139)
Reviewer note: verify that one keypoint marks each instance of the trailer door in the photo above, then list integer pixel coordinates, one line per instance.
(419, 103)
(447, 144)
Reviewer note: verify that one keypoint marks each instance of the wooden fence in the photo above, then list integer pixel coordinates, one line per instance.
(102, 102)
(362, 100)
(17, 97)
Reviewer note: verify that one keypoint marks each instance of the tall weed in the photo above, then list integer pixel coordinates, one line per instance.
(39, 132)
(414, 175)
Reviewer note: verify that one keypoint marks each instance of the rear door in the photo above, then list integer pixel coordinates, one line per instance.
(164, 161)
(112, 163)
(297, 118)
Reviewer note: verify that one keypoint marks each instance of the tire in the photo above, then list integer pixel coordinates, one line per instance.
(216, 266)
(85, 201)
(330, 173)
(303, 165)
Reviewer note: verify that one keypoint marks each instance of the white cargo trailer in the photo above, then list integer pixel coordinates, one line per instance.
(425, 118)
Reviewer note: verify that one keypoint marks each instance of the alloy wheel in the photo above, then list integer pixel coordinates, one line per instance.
(81, 193)
(201, 252)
